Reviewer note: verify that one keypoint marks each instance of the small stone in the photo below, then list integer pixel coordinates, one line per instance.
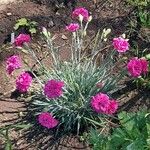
(21, 114)
(9, 14)
(64, 37)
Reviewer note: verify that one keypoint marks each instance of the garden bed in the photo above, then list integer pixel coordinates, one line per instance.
(112, 14)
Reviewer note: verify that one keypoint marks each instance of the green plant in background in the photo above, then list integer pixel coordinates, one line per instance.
(144, 17)
(5, 131)
(28, 25)
(5, 135)
(142, 11)
(98, 141)
(133, 133)
(139, 3)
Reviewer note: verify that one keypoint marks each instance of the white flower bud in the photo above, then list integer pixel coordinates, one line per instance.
(84, 33)
(90, 18)
(80, 18)
(106, 32)
(123, 35)
(44, 31)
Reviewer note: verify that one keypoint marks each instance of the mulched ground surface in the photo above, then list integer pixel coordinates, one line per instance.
(111, 14)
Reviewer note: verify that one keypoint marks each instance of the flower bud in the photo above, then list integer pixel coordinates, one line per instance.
(80, 18)
(99, 85)
(84, 33)
(148, 56)
(106, 32)
(44, 31)
(90, 19)
(123, 35)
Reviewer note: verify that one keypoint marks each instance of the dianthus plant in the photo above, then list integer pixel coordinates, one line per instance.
(76, 93)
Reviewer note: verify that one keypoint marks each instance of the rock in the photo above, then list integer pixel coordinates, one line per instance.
(9, 14)
(64, 37)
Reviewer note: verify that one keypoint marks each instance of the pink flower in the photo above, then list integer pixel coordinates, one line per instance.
(21, 39)
(113, 106)
(121, 44)
(80, 11)
(12, 63)
(144, 64)
(47, 120)
(73, 27)
(134, 67)
(23, 82)
(137, 66)
(53, 88)
(102, 104)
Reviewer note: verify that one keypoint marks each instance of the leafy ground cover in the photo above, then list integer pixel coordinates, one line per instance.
(132, 133)
(130, 95)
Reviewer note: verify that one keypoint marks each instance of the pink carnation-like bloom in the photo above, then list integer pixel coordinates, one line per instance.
(23, 82)
(112, 108)
(102, 104)
(73, 27)
(80, 11)
(144, 64)
(47, 120)
(121, 44)
(53, 88)
(134, 67)
(12, 63)
(137, 66)
(21, 39)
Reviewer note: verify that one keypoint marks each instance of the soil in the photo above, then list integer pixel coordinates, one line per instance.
(109, 14)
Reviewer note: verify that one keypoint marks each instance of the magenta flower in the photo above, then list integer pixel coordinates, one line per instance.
(121, 44)
(144, 64)
(134, 67)
(23, 82)
(102, 104)
(73, 27)
(12, 63)
(47, 120)
(112, 108)
(137, 66)
(53, 88)
(80, 11)
(21, 39)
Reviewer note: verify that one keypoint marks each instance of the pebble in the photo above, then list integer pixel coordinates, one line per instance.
(64, 37)
(8, 14)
